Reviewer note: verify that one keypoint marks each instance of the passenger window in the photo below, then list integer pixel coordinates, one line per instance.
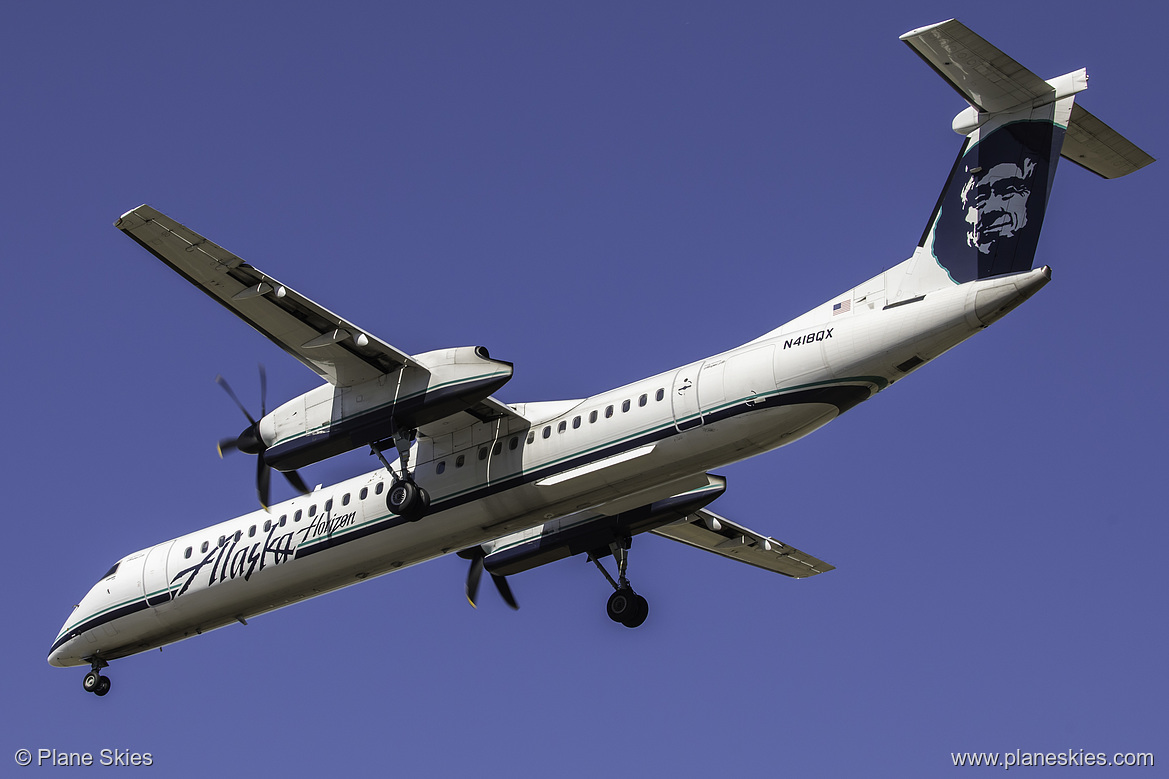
(483, 453)
(513, 443)
(251, 531)
(203, 549)
(660, 394)
(312, 510)
(497, 448)
(364, 493)
(238, 535)
(345, 499)
(283, 520)
(575, 422)
(329, 504)
(440, 468)
(625, 407)
(459, 461)
(381, 485)
(187, 553)
(547, 431)
(267, 525)
(592, 417)
(608, 412)
(296, 516)
(222, 540)
(643, 400)
(531, 436)
(562, 426)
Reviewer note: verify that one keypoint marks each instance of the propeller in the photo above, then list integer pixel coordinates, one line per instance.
(476, 556)
(251, 442)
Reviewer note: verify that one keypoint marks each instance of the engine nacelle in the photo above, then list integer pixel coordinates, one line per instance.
(590, 533)
(330, 420)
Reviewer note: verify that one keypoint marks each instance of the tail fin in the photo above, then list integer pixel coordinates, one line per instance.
(987, 220)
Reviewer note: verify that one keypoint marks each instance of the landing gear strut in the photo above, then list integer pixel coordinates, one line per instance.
(94, 682)
(625, 605)
(405, 498)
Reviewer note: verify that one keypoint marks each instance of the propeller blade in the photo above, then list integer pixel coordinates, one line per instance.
(222, 382)
(263, 391)
(263, 478)
(227, 445)
(505, 591)
(296, 482)
(473, 577)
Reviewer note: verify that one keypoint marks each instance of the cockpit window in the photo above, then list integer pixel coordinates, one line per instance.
(111, 571)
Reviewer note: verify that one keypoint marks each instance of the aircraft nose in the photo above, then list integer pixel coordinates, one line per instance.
(58, 653)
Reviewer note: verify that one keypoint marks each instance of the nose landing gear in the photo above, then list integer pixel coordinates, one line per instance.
(625, 605)
(94, 682)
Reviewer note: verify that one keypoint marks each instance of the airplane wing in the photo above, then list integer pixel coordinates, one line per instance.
(706, 530)
(338, 350)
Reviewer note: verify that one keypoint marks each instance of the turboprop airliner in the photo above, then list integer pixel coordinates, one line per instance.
(513, 486)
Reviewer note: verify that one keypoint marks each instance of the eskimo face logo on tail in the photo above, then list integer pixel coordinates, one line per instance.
(994, 203)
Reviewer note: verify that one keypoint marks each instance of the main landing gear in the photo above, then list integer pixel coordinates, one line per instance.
(94, 682)
(405, 498)
(625, 605)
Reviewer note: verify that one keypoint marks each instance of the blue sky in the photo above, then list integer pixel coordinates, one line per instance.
(597, 193)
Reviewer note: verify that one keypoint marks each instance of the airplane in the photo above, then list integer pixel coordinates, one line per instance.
(510, 487)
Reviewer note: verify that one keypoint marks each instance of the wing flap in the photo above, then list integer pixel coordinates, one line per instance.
(335, 348)
(708, 531)
(487, 410)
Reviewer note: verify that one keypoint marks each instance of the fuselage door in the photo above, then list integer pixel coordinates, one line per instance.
(684, 397)
(155, 583)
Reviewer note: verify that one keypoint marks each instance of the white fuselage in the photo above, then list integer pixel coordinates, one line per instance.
(615, 451)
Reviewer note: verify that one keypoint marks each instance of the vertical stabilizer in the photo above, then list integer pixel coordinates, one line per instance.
(987, 220)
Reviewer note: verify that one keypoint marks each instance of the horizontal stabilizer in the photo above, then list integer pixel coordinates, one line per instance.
(985, 77)
(706, 530)
(1094, 145)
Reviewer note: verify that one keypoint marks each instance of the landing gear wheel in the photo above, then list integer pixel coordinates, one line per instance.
(103, 686)
(403, 499)
(627, 607)
(619, 605)
(639, 613)
(92, 681)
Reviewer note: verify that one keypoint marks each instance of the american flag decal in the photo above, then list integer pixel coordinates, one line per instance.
(843, 307)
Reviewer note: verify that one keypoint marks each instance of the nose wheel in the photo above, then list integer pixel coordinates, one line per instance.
(94, 682)
(624, 605)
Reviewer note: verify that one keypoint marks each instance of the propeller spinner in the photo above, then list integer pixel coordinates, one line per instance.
(250, 442)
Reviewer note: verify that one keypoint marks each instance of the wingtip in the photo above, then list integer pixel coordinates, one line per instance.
(920, 30)
(118, 222)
